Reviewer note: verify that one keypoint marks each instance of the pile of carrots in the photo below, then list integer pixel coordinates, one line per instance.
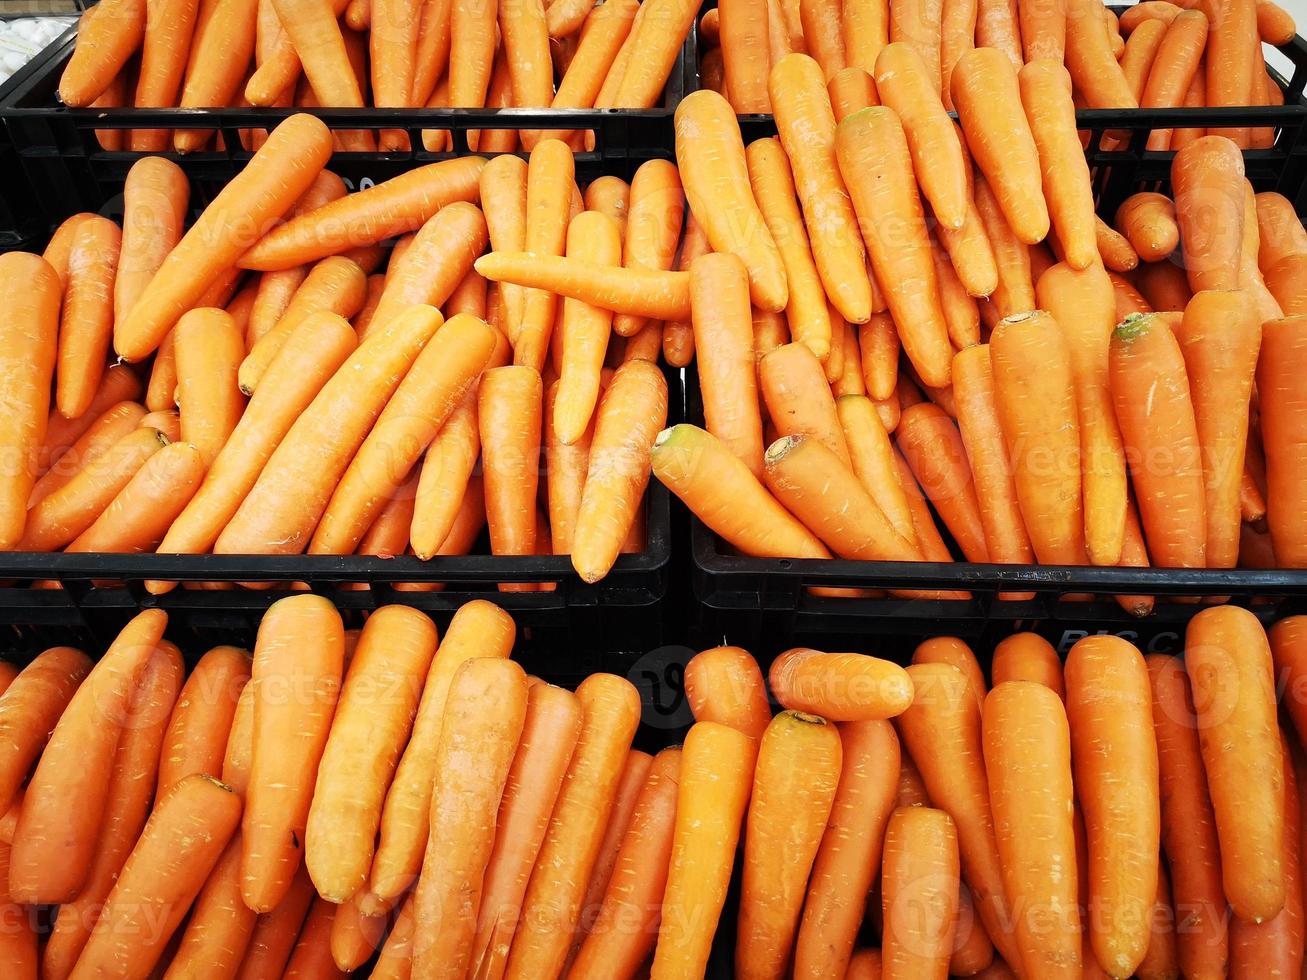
(1155, 55)
(567, 54)
(388, 793)
(325, 404)
(1028, 408)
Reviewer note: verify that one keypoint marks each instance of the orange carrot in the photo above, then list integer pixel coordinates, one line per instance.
(794, 786)
(87, 319)
(851, 89)
(29, 710)
(549, 174)
(724, 685)
(1228, 660)
(653, 228)
(930, 443)
(509, 417)
(798, 399)
(198, 731)
(1091, 61)
(744, 33)
(441, 255)
(840, 686)
(209, 351)
(1283, 344)
(108, 38)
(1208, 177)
(819, 21)
(1233, 50)
(921, 861)
(155, 196)
(872, 457)
(1027, 657)
(275, 932)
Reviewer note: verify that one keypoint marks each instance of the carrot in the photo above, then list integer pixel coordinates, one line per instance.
(610, 714)
(549, 738)
(1097, 76)
(649, 54)
(653, 228)
(638, 292)
(549, 175)
(921, 861)
(312, 28)
(1280, 232)
(633, 410)
(289, 737)
(181, 844)
(1027, 754)
(592, 237)
(107, 39)
(1148, 221)
(873, 460)
(933, 449)
(840, 686)
(503, 201)
(88, 731)
(1115, 250)
(1140, 53)
(390, 208)
(441, 255)
(1233, 51)
(799, 760)
(198, 731)
(1164, 286)
(798, 399)
(354, 936)
(220, 925)
(1189, 836)
(1228, 660)
(988, 101)
(87, 319)
(1043, 442)
(1177, 63)
(471, 52)
(1287, 651)
(610, 196)
(509, 416)
(1027, 657)
(220, 50)
(878, 344)
(165, 48)
(1275, 947)
(444, 479)
(394, 654)
(851, 89)
(1209, 203)
(823, 40)
(479, 629)
(717, 764)
(1144, 355)
(1282, 344)
(744, 33)
(1149, 10)
(1218, 395)
(155, 196)
(724, 685)
(275, 932)
(905, 83)
(873, 156)
(29, 710)
(710, 156)
(209, 351)
(1114, 753)
(273, 517)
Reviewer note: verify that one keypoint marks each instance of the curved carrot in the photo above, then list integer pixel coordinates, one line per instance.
(446, 472)
(1148, 221)
(874, 159)
(106, 41)
(300, 647)
(638, 292)
(442, 254)
(1114, 754)
(919, 893)
(932, 446)
(1160, 435)
(724, 685)
(710, 155)
(1189, 836)
(794, 785)
(717, 764)
(1027, 749)
(1038, 415)
(29, 710)
(54, 844)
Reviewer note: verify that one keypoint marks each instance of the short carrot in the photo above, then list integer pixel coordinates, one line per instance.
(209, 351)
(1028, 657)
(840, 686)
(724, 685)
(1208, 178)
(155, 195)
(798, 399)
(921, 861)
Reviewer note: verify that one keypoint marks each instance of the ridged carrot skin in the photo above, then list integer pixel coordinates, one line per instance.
(1284, 351)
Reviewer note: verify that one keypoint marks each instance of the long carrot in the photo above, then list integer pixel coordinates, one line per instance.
(872, 457)
(743, 27)
(1027, 749)
(53, 843)
(1189, 836)
(155, 196)
(179, 847)
(795, 781)
(300, 648)
(710, 156)
(1114, 753)
(874, 159)
(717, 766)
(1161, 439)
(550, 174)
(441, 255)
(1208, 177)
(220, 925)
(1037, 412)
(930, 443)
(1229, 664)
(220, 49)
(165, 49)
(198, 730)
(1083, 306)
(1233, 50)
(87, 318)
(275, 932)
(653, 227)
(919, 893)
(107, 39)
(29, 710)
(279, 173)
(478, 629)
(1283, 345)
(209, 350)
(319, 445)
(1091, 61)
(638, 292)
(510, 406)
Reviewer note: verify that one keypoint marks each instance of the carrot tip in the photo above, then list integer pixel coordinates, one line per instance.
(779, 449)
(1134, 326)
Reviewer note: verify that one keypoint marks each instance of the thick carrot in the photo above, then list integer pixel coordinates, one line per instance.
(291, 493)
(724, 685)
(300, 648)
(1233, 51)
(155, 196)
(107, 39)
(391, 208)
(510, 406)
(29, 710)
(478, 629)
(277, 175)
(1037, 411)
(441, 255)
(794, 786)
(717, 764)
(1114, 753)
(209, 350)
(1178, 62)
(1283, 345)
(87, 318)
(1161, 439)
(919, 893)
(1089, 58)
(1208, 178)
(181, 844)
(874, 159)
(954, 652)
(165, 50)
(632, 412)
(552, 904)
(1189, 836)
(1220, 337)
(851, 89)
(1027, 657)
(1280, 231)
(393, 656)
(54, 844)
(840, 686)
(1228, 660)
(798, 399)
(591, 237)
(1027, 749)
(819, 21)
(744, 33)
(722, 492)
(220, 50)
(710, 155)
(1046, 95)
(932, 446)
(1287, 649)
(549, 738)
(201, 723)
(550, 174)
